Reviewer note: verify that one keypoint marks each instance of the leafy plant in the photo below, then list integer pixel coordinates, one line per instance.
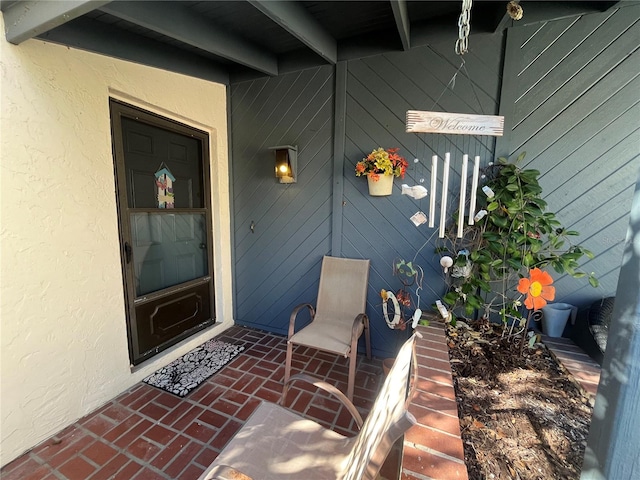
(516, 235)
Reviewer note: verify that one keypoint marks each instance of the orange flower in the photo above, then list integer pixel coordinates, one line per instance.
(382, 162)
(538, 289)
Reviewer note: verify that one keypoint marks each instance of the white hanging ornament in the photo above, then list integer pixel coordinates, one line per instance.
(416, 318)
(488, 192)
(480, 215)
(417, 191)
(386, 296)
(446, 262)
(418, 313)
(418, 218)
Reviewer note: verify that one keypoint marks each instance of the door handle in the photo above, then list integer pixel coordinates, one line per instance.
(128, 251)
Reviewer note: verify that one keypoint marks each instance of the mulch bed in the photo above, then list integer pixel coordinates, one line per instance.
(521, 416)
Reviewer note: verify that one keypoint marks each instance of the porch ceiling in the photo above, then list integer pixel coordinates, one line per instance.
(228, 41)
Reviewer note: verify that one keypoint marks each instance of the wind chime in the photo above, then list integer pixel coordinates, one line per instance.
(441, 123)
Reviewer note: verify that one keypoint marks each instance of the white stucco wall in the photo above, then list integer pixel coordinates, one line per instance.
(62, 316)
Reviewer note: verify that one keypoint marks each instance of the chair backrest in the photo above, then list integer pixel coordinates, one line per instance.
(387, 420)
(343, 287)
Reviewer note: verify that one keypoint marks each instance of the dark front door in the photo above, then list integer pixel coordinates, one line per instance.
(162, 173)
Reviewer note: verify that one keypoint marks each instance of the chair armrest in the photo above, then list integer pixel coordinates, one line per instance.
(327, 387)
(225, 472)
(294, 314)
(358, 325)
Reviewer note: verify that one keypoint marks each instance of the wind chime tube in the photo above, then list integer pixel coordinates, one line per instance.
(434, 184)
(463, 194)
(445, 191)
(474, 187)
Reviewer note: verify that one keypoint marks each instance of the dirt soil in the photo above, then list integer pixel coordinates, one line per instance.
(521, 416)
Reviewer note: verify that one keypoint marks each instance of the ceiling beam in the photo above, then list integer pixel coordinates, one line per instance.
(99, 37)
(620, 3)
(296, 20)
(503, 22)
(401, 16)
(175, 21)
(28, 19)
(537, 12)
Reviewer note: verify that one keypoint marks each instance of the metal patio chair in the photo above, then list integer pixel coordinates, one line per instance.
(339, 317)
(278, 444)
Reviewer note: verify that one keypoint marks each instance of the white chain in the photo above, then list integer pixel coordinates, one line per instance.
(462, 44)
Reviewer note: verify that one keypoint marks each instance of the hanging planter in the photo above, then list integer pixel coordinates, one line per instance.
(380, 167)
(380, 186)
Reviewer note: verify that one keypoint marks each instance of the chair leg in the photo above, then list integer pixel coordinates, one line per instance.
(352, 372)
(367, 338)
(287, 367)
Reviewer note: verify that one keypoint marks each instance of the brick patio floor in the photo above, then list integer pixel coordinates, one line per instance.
(147, 434)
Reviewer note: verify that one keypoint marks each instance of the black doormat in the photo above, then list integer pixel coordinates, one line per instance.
(187, 372)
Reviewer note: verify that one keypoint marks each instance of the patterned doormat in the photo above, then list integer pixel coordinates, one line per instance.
(187, 372)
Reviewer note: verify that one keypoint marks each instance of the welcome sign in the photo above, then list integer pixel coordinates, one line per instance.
(454, 123)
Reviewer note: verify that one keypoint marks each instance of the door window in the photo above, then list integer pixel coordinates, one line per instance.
(168, 248)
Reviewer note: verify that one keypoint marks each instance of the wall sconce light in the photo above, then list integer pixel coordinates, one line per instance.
(286, 163)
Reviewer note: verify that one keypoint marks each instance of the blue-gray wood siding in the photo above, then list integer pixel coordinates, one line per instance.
(278, 266)
(380, 90)
(568, 92)
(571, 100)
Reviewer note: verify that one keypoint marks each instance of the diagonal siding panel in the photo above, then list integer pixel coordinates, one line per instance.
(379, 92)
(575, 55)
(571, 97)
(278, 265)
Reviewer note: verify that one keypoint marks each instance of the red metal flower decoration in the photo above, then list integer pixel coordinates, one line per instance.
(538, 289)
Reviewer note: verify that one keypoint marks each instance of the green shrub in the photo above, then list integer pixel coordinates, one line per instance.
(516, 235)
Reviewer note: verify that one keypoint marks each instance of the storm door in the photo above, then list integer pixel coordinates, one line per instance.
(162, 177)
